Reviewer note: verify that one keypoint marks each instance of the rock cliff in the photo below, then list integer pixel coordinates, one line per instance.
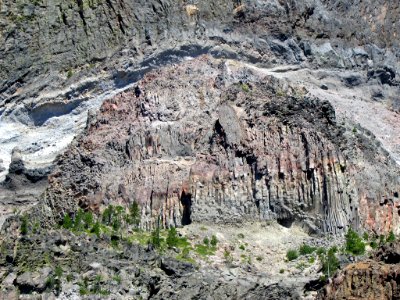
(215, 141)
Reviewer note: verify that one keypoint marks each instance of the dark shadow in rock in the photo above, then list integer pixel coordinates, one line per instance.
(186, 200)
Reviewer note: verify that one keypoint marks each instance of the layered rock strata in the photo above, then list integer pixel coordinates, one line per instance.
(212, 140)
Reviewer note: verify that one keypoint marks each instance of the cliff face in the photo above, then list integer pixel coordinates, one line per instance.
(215, 140)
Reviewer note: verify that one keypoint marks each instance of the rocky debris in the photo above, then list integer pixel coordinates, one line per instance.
(33, 281)
(228, 144)
(95, 269)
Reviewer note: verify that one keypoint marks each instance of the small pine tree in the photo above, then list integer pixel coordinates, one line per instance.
(96, 229)
(88, 219)
(214, 241)
(134, 214)
(206, 241)
(155, 236)
(24, 225)
(330, 263)
(67, 222)
(108, 215)
(172, 238)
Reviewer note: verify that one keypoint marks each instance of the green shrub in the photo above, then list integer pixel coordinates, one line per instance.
(281, 271)
(241, 236)
(214, 241)
(172, 238)
(245, 87)
(96, 229)
(292, 254)
(134, 214)
(354, 243)
(24, 225)
(391, 237)
(67, 222)
(203, 250)
(365, 236)
(306, 249)
(206, 241)
(259, 258)
(155, 238)
(373, 244)
(330, 263)
(321, 251)
(242, 247)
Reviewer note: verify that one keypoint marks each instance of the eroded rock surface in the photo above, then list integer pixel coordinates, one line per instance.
(370, 279)
(212, 140)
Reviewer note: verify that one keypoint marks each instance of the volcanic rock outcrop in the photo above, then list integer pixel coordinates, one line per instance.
(214, 140)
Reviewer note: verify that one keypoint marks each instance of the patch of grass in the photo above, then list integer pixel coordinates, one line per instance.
(204, 250)
(311, 260)
(292, 254)
(203, 228)
(321, 251)
(117, 278)
(306, 249)
(242, 247)
(185, 255)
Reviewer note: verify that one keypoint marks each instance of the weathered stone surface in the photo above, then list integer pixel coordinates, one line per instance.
(364, 280)
(210, 140)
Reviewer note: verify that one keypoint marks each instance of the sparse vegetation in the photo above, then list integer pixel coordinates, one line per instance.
(214, 241)
(24, 224)
(330, 263)
(306, 249)
(354, 243)
(292, 254)
(245, 87)
(391, 237)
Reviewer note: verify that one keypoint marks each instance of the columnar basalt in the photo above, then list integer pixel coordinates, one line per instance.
(214, 141)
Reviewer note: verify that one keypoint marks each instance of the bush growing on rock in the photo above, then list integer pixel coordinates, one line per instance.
(292, 254)
(214, 241)
(391, 237)
(172, 238)
(306, 249)
(354, 243)
(24, 225)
